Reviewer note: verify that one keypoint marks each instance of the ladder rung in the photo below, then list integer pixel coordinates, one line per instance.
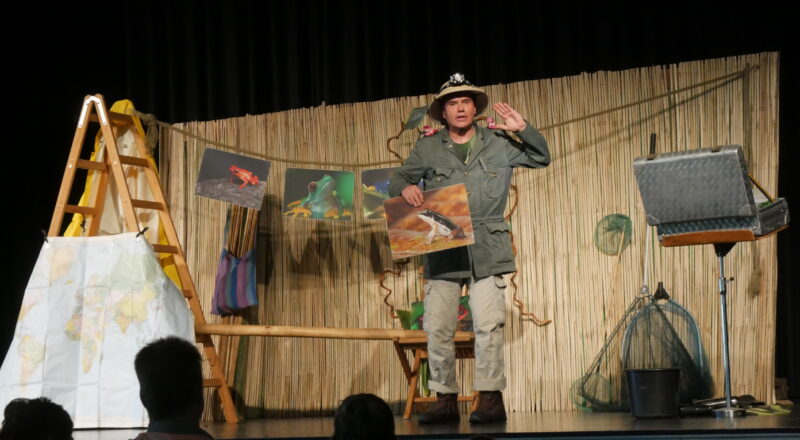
(85, 210)
(147, 204)
(208, 348)
(216, 383)
(90, 165)
(203, 339)
(131, 160)
(118, 119)
(165, 248)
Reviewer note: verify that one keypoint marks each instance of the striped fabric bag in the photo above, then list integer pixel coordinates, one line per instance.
(235, 284)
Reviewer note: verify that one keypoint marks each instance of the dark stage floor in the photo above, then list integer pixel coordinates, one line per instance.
(539, 425)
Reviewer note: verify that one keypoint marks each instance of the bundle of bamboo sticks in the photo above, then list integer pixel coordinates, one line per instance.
(242, 230)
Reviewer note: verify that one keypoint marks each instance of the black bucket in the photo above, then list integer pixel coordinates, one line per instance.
(654, 393)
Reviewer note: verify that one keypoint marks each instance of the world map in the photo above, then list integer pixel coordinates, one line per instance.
(90, 305)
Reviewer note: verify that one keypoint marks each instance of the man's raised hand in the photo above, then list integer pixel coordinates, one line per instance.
(512, 120)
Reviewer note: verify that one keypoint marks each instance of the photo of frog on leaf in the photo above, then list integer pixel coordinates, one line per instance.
(375, 189)
(318, 194)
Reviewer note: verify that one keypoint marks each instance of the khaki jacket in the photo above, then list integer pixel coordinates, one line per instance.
(487, 176)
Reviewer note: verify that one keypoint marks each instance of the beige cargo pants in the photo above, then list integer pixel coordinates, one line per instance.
(487, 303)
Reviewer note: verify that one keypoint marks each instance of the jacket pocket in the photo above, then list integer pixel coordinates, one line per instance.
(438, 177)
(442, 173)
(499, 242)
(494, 183)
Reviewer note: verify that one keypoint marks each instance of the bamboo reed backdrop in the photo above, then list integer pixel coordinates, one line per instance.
(325, 273)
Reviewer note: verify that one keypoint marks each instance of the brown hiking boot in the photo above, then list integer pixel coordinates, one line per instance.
(445, 410)
(490, 408)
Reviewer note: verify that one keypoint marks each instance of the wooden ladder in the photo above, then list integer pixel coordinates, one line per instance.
(94, 110)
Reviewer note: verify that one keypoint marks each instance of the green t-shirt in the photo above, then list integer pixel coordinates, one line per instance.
(463, 150)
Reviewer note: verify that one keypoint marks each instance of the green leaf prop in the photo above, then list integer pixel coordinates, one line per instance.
(424, 377)
(417, 310)
(405, 319)
(415, 117)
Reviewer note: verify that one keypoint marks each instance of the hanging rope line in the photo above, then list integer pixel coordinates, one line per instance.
(724, 79)
(151, 119)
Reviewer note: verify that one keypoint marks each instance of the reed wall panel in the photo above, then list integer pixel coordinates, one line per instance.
(325, 273)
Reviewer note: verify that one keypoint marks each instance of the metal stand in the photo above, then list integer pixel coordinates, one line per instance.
(729, 411)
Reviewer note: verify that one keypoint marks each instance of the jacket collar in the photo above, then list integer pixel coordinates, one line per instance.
(481, 142)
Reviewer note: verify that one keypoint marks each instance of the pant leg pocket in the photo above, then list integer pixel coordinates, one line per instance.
(500, 282)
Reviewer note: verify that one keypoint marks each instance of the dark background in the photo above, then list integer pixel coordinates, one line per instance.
(201, 60)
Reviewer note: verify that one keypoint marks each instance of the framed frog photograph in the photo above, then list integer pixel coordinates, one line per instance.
(442, 222)
(374, 190)
(318, 194)
(233, 178)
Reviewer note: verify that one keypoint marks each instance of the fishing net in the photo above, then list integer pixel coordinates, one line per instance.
(613, 233)
(601, 387)
(663, 334)
(654, 332)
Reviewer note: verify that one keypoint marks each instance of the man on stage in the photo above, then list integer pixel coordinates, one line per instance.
(483, 159)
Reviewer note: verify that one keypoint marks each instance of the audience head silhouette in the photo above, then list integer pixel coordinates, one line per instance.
(170, 379)
(362, 417)
(35, 419)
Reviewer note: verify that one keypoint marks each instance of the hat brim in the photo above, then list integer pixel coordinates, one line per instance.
(479, 96)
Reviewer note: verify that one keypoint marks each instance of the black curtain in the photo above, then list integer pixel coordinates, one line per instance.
(198, 60)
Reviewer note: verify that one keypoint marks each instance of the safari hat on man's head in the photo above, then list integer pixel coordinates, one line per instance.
(457, 84)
